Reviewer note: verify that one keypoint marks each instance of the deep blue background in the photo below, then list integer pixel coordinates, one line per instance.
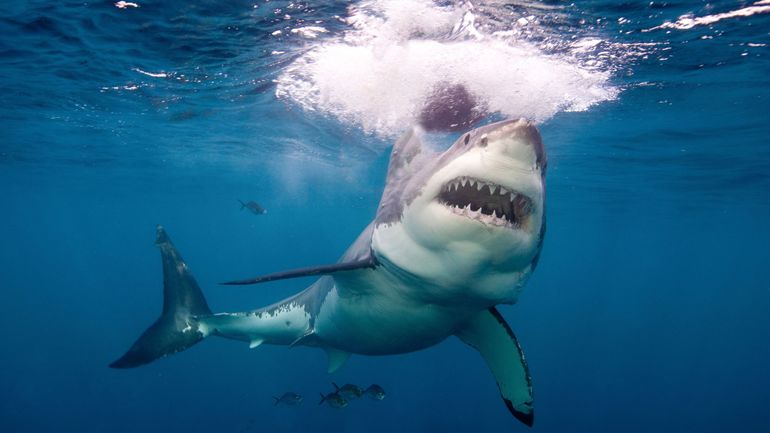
(648, 312)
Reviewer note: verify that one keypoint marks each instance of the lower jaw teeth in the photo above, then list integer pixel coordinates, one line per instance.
(478, 215)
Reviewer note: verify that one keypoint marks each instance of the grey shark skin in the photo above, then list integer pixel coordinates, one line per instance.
(455, 234)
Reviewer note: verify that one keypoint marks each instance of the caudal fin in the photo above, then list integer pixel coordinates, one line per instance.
(243, 205)
(177, 328)
(277, 400)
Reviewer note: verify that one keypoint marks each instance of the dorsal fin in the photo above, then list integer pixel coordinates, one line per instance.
(404, 151)
(400, 169)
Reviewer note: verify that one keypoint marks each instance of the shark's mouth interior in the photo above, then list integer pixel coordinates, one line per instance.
(486, 202)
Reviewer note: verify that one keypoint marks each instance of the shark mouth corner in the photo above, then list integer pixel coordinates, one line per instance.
(486, 202)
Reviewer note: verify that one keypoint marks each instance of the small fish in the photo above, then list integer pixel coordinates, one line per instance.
(375, 391)
(333, 399)
(349, 390)
(289, 398)
(254, 207)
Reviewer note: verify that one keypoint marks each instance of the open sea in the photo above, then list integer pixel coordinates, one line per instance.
(650, 307)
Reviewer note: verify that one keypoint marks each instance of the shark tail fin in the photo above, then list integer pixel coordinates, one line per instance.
(277, 400)
(178, 326)
(323, 399)
(336, 388)
(243, 205)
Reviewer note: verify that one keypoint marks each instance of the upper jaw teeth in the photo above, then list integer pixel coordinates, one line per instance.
(494, 189)
(484, 201)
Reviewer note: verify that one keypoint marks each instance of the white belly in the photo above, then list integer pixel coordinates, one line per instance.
(384, 318)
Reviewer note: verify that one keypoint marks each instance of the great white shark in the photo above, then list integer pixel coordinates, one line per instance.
(455, 234)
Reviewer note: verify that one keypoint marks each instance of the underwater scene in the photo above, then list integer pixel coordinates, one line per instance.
(385, 216)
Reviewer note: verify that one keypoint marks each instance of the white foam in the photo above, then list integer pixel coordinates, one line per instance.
(686, 22)
(124, 5)
(309, 32)
(378, 74)
(152, 74)
(397, 20)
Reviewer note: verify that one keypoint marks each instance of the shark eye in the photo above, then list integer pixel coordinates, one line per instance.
(484, 141)
(467, 138)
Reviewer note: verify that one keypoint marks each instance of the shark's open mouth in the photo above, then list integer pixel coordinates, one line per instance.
(486, 202)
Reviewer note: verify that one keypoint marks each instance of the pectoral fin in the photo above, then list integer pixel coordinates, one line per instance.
(491, 336)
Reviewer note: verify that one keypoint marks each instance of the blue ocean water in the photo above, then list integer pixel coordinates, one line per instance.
(649, 308)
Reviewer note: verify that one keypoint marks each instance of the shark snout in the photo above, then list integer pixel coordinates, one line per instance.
(519, 138)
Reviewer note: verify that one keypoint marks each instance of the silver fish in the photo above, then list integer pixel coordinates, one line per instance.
(376, 392)
(349, 390)
(254, 207)
(333, 399)
(289, 399)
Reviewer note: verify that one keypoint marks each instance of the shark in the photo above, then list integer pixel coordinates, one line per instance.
(456, 234)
